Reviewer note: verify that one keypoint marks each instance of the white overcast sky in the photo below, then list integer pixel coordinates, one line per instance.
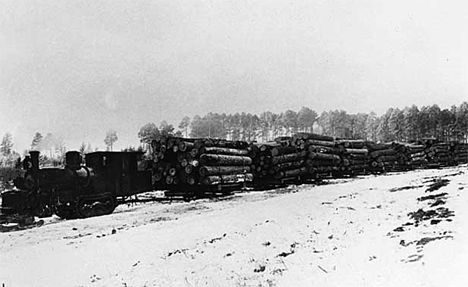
(79, 68)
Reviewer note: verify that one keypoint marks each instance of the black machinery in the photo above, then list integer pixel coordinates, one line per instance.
(77, 190)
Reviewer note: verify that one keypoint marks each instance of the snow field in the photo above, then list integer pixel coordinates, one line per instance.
(347, 233)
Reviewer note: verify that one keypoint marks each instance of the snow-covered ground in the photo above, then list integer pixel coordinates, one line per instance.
(399, 229)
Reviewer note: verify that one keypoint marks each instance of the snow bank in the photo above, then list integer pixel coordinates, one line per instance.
(349, 233)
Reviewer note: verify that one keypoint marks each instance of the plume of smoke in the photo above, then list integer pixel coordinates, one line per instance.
(51, 145)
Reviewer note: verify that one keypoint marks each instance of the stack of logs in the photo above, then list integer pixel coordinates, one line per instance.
(278, 160)
(460, 152)
(354, 156)
(323, 156)
(438, 154)
(381, 156)
(416, 154)
(210, 162)
(445, 153)
(193, 162)
(403, 157)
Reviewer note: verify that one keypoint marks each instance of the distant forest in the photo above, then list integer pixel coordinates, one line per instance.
(408, 124)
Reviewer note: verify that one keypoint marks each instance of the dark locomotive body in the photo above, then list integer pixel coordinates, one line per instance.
(77, 190)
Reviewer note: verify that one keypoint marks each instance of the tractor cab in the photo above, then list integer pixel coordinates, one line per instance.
(119, 172)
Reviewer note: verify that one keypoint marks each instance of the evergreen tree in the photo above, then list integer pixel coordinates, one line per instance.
(306, 119)
(184, 124)
(148, 133)
(82, 149)
(111, 138)
(289, 121)
(166, 129)
(6, 145)
(37, 141)
(383, 130)
(396, 125)
(372, 124)
(411, 123)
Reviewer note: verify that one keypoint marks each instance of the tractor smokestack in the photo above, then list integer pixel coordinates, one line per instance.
(35, 165)
(34, 160)
(73, 160)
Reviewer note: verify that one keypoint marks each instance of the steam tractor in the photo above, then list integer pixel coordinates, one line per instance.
(77, 190)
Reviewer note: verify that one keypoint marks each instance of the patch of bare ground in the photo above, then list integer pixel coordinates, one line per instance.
(437, 184)
(434, 213)
(405, 188)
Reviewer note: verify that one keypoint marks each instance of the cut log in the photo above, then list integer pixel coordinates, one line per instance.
(376, 164)
(345, 162)
(357, 156)
(439, 149)
(268, 146)
(218, 159)
(185, 145)
(387, 158)
(324, 149)
(287, 158)
(355, 151)
(223, 150)
(388, 163)
(418, 159)
(351, 143)
(316, 162)
(418, 154)
(277, 151)
(415, 148)
(291, 173)
(312, 136)
(207, 142)
(191, 180)
(320, 143)
(172, 171)
(169, 179)
(188, 169)
(194, 152)
(382, 152)
(157, 176)
(181, 157)
(358, 162)
(232, 144)
(324, 156)
(194, 163)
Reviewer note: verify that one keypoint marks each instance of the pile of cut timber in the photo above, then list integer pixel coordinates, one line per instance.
(382, 156)
(403, 157)
(194, 162)
(416, 154)
(180, 163)
(460, 152)
(354, 156)
(277, 160)
(438, 154)
(321, 152)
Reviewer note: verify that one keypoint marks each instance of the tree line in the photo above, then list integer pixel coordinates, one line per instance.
(407, 124)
